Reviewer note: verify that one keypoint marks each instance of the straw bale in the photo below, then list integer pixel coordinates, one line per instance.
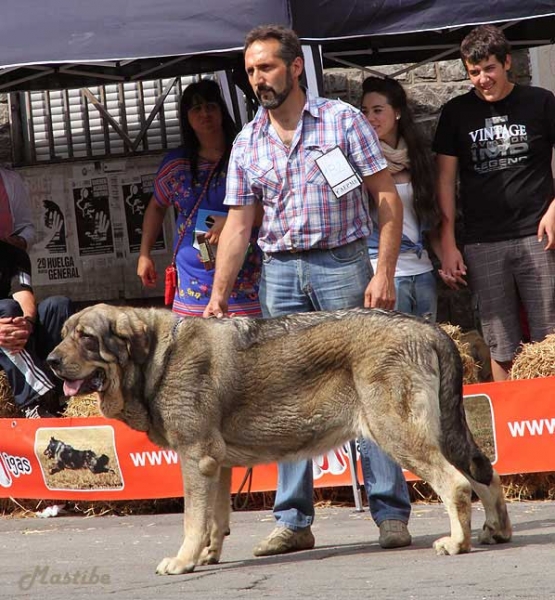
(8, 409)
(536, 359)
(82, 405)
(471, 368)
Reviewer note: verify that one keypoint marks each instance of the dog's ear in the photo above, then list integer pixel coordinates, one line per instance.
(135, 333)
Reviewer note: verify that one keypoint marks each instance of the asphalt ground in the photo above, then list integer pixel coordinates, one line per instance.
(78, 557)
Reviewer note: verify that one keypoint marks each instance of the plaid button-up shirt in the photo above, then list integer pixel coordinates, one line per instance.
(300, 209)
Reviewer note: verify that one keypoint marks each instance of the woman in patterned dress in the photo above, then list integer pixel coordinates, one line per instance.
(192, 180)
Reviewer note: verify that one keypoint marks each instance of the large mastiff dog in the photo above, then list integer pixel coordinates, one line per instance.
(245, 391)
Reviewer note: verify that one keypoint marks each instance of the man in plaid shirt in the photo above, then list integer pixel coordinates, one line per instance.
(314, 244)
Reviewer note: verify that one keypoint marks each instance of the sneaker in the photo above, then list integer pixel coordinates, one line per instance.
(283, 540)
(394, 534)
(36, 411)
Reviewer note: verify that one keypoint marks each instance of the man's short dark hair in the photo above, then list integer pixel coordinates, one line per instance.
(289, 43)
(484, 41)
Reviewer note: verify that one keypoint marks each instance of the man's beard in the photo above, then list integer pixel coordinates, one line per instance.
(276, 99)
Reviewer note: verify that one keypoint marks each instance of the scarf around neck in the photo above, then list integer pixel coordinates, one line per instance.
(397, 158)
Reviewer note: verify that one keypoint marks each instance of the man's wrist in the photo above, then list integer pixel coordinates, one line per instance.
(31, 321)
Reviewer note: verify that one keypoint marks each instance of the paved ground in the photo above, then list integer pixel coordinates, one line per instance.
(76, 557)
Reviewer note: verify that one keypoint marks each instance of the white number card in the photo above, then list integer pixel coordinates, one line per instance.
(338, 172)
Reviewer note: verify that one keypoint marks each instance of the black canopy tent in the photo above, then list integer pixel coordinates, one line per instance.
(384, 32)
(68, 44)
(82, 43)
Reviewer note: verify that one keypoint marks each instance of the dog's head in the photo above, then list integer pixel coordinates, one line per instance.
(50, 450)
(98, 343)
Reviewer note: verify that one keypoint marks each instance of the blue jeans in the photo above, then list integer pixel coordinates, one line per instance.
(326, 280)
(417, 295)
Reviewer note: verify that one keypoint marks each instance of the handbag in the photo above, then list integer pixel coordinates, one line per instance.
(170, 279)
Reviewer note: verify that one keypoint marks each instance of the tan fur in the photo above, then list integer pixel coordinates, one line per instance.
(240, 391)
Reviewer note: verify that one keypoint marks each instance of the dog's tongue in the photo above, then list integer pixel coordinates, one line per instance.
(72, 387)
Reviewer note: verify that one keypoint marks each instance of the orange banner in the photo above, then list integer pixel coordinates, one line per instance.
(101, 459)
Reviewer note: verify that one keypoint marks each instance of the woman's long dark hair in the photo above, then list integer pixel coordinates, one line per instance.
(422, 166)
(205, 90)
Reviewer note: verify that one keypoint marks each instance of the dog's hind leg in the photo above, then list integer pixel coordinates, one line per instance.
(200, 482)
(220, 520)
(497, 527)
(455, 492)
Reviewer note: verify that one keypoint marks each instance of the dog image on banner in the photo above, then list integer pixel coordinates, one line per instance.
(242, 391)
(65, 456)
(78, 458)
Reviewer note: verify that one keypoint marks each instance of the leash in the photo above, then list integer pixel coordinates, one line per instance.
(241, 505)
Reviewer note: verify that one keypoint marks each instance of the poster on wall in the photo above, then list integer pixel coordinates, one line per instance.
(54, 261)
(136, 192)
(91, 203)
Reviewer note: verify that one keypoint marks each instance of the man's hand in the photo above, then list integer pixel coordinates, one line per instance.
(453, 269)
(380, 293)
(217, 307)
(213, 234)
(14, 333)
(146, 270)
(547, 227)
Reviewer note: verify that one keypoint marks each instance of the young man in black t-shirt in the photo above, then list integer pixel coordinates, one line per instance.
(498, 138)
(28, 333)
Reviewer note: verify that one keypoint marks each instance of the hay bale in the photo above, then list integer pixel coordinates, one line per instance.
(536, 359)
(82, 405)
(480, 352)
(471, 368)
(8, 409)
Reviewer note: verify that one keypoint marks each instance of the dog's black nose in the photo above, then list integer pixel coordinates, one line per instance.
(53, 360)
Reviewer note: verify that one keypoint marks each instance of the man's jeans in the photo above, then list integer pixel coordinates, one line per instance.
(327, 280)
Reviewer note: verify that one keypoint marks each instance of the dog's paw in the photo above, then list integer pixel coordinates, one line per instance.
(210, 556)
(490, 536)
(446, 546)
(174, 566)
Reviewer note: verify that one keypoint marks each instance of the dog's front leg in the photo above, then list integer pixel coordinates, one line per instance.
(220, 521)
(200, 482)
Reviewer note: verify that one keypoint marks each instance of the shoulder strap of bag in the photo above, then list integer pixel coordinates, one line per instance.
(189, 219)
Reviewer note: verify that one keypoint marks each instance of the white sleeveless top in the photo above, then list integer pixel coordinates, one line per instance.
(408, 263)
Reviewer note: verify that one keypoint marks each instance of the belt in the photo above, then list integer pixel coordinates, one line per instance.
(307, 250)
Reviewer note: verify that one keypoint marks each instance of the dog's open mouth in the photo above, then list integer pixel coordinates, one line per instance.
(93, 383)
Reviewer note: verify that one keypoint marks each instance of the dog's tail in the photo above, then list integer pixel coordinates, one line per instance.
(457, 441)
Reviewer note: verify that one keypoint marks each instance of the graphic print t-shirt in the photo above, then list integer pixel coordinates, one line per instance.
(504, 150)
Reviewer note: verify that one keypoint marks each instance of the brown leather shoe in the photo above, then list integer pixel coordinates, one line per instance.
(283, 540)
(394, 534)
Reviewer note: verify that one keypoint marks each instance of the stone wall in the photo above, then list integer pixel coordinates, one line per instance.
(428, 86)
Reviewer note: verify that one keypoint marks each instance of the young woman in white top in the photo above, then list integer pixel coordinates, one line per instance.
(384, 103)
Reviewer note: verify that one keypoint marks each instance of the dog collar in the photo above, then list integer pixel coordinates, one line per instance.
(176, 324)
